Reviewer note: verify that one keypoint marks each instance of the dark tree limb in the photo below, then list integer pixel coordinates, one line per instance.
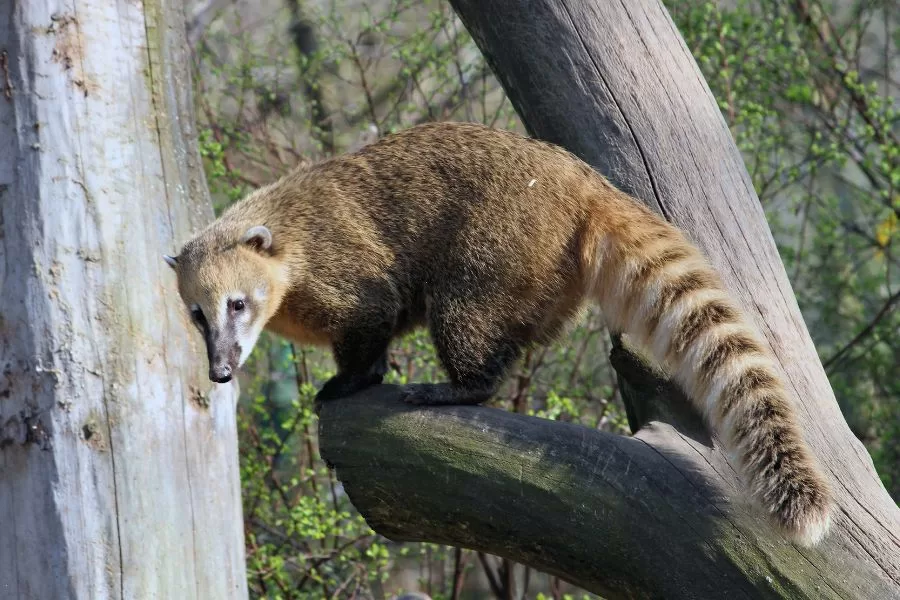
(648, 395)
(660, 514)
(655, 515)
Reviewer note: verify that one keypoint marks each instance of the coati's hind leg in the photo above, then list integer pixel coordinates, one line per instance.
(476, 356)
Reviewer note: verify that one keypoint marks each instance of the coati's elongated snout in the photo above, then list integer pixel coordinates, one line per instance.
(223, 351)
(231, 286)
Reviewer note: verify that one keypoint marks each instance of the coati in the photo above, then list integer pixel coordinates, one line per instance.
(493, 241)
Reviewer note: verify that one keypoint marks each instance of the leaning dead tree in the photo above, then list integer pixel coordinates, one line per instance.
(660, 514)
(118, 468)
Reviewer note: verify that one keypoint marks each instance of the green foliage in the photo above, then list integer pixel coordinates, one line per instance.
(809, 100)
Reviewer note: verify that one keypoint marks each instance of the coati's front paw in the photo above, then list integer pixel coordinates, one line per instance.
(333, 389)
(341, 386)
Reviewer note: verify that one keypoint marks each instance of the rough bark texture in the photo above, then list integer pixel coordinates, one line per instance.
(661, 514)
(118, 467)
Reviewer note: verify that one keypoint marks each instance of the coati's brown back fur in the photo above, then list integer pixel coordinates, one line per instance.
(495, 241)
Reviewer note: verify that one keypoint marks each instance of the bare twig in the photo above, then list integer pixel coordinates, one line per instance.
(461, 557)
(491, 575)
(866, 331)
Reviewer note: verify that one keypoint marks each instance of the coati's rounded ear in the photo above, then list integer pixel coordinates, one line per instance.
(172, 261)
(259, 238)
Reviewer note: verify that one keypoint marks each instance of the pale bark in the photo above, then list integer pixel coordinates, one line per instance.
(661, 514)
(118, 464)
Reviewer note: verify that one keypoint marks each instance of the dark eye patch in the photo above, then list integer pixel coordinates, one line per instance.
(199, 318)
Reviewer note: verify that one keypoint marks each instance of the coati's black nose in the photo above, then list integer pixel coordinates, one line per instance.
(220, 374)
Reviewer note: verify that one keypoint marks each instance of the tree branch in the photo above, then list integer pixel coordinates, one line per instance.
(649, 395)
(654, 515)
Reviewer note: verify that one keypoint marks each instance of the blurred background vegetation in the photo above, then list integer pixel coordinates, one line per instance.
(809, 90)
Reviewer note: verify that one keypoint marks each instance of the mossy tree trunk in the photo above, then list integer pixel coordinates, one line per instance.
(660, 514)
(118, 465)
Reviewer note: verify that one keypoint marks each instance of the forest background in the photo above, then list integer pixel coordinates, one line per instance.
(810, 92)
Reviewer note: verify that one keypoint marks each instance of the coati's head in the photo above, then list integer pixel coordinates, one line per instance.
(231, 288)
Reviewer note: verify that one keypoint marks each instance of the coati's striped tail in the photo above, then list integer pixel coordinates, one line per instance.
(655, 286)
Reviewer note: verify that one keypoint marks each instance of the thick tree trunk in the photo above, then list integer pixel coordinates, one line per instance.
(660, 514)
(118, 465)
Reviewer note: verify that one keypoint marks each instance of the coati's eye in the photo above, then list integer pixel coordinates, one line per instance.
(237, 305)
